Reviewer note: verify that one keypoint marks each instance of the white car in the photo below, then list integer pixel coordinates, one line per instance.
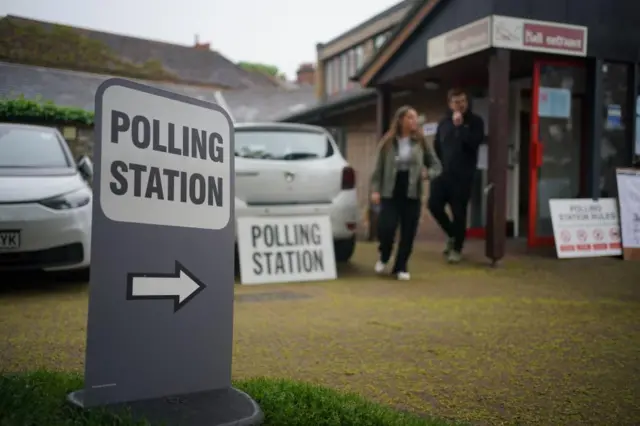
(287, 169)
(45, 201)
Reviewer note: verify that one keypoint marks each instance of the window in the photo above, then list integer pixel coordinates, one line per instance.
(336, 75)
(614, 149)
(328, 77)
(281, 144)
(344, 71)
(332, 76)
(379, 40)
(352, 62)
(340, 137)
(352, 68)
(359, 57)
(31, 147)
(637, 137)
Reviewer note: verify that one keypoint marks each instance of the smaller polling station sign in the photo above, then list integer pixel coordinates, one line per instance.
(285, 249)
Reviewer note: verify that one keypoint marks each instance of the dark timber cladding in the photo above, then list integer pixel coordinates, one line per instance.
(595, 125)
(613, 30)
(397, 60)
(613, 25)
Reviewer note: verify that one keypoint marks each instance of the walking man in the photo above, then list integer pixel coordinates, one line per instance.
(456, 143)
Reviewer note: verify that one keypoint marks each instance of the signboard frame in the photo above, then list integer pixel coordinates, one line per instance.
(160, 319)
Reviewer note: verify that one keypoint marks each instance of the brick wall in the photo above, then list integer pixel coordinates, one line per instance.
(306, 74)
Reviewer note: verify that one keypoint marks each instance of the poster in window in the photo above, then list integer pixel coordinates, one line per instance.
(614, 117)
(430, 129)
(554, 102)
(637, 150)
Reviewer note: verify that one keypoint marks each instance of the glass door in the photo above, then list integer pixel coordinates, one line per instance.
(556, 154)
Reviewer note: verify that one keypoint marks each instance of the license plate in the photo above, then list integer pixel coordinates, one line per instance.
(9, 240)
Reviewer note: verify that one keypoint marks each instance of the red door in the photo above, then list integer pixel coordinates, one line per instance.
(556, 157)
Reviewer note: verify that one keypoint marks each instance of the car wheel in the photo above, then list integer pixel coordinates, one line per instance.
(76, 276)
(344, 249)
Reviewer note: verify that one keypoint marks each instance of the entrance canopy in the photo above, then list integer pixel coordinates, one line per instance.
(560, 48)
(437, 32)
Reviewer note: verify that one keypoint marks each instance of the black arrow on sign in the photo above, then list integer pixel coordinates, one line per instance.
(181, 286)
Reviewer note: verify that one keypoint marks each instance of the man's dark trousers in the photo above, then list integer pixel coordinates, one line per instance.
(455, 192)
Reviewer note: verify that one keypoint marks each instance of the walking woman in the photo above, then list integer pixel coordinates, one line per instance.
(397, 186)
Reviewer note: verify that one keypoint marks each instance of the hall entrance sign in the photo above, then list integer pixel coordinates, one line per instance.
(160, 320)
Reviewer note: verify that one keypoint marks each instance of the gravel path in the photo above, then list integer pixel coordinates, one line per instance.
(537, 341)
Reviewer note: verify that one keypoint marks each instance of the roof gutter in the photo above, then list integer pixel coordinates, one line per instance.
(319, 110)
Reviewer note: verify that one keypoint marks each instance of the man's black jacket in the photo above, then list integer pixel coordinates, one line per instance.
(457, 146)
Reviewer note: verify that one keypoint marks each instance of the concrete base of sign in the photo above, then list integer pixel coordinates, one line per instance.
(224, 407)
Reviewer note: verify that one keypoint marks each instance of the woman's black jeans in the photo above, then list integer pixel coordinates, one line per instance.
(402, 211)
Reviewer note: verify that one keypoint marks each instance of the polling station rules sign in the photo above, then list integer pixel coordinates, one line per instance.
(585, 228)
(158, 171)
(285, 249)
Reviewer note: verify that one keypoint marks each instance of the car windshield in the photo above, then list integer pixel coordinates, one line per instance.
(282, 144)
(31, 147)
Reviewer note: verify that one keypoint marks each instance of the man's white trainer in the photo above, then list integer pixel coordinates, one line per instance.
(404, 276)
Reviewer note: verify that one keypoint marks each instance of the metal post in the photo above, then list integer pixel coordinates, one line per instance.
(595, 125)
(633, 90)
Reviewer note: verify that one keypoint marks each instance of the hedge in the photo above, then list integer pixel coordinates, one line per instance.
(22, 110)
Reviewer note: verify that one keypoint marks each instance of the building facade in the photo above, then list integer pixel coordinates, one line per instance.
(555, 80)
(340, 58)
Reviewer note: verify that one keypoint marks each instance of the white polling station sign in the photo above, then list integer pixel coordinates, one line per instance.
(585, 227)
(160, 166)
(285, 249)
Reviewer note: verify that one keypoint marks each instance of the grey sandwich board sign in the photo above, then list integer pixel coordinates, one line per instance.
(160, 320)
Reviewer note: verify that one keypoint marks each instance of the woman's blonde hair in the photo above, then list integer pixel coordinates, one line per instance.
(396, 127)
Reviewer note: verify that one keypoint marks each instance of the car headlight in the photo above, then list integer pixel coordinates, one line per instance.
(71, 200)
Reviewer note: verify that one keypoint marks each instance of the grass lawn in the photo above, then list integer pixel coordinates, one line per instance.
(38, 399)
(535, 342)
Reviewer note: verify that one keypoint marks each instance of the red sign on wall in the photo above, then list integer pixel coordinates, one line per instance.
(553, 37)
(539, 36)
